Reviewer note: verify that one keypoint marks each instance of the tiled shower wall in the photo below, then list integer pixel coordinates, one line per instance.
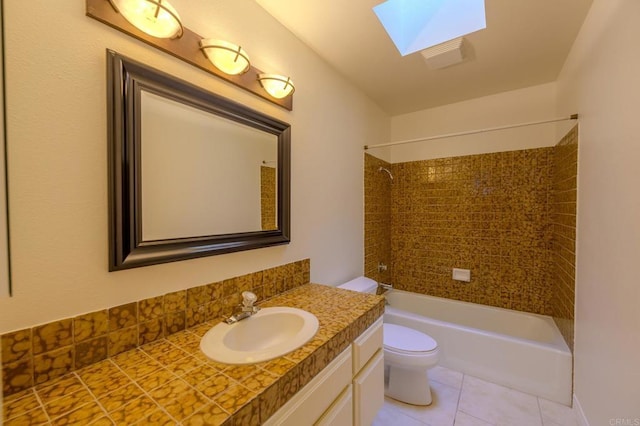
(377, 218)
(563, 222)
(509, 217)
(488, 213)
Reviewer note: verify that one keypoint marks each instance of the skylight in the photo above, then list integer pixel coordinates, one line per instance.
(415, 25)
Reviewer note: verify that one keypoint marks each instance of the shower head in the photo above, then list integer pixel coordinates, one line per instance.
(382, 169)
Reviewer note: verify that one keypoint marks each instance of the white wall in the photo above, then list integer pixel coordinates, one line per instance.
(600, 80)
(56, 88)
(514, 107)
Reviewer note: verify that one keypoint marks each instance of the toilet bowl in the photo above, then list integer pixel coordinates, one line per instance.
(408, 354)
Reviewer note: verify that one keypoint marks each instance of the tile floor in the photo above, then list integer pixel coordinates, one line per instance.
(463, 400)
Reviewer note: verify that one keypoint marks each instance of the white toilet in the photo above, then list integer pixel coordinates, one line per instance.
(408, 354)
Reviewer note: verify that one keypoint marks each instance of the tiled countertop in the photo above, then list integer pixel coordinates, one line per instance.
(171, 382)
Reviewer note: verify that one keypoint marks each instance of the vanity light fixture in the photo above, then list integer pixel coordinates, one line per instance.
(157, 23)
(226, 56)
(276, 85)
(154, 17)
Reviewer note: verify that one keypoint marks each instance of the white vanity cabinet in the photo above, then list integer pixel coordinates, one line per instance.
(349, 391)
(368, 375)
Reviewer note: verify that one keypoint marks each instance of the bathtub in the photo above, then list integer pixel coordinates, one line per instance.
(519, 350)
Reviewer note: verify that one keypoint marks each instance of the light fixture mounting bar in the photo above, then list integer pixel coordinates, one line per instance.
(186, 48)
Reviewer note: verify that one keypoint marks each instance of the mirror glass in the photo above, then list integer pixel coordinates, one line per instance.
(203, 174)
(191, 173)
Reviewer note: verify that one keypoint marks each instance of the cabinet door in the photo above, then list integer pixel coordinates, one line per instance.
(366, 345)
(368, 391)
(341, 411)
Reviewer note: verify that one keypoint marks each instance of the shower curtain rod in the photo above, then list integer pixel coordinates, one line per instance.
(471, 132)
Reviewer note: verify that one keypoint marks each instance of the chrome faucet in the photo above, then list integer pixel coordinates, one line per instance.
(246, 309)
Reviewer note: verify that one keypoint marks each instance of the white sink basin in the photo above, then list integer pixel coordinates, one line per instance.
(268, 334)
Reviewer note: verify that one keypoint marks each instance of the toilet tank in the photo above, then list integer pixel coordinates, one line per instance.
(361, 284)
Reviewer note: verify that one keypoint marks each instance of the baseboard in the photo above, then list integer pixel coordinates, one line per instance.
(577, 408)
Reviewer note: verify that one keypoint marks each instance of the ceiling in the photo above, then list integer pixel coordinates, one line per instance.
(525, 43)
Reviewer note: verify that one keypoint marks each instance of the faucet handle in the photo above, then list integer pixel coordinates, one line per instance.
(248, 299)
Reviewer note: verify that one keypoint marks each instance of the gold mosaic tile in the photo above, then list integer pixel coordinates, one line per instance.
(239, 372)
(280, 366)
(184, 365)
(150, 331)
(155, 380)
(33, 417)
(213, 310)
(120, 397)
(207, 392)
(211, 414)
(52, 336)
(185, 404)
(68, 403)
(16, 346)
(288, 385)
(123, 316)
(175, 302)
(449, 212)
(234, 398)
(269, 401)
(174, 322)
(137, 364)
(151, 308)
(249, 415)
(83, 415)
(58, 388)
(90, 326)
(201, 329)
(200, 374)
(259, 381)
(197, 296)
(123, 340)
(215, 386)
(20, 406)
(157, 418)
(103, 421)
(17, 376)
(170, 396)
(104, 384)
(134, 411)
(91, 351)
(51, 365)
(196, 315)
(164, 352)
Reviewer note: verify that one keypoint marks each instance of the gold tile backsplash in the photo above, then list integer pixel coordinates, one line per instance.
(563, 222)
(170, 381)
(39, 354)
(509, 217)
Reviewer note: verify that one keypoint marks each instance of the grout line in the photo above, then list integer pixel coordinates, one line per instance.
(540, 411)
(455, 415)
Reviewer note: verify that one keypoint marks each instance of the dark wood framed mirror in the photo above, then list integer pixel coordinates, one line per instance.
(191, 173)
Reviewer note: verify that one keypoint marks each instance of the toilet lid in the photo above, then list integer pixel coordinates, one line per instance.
(404, 339)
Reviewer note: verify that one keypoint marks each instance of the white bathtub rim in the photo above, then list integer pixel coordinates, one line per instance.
(558, 343)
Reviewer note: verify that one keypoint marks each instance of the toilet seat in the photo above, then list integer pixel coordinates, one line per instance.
(404, 340)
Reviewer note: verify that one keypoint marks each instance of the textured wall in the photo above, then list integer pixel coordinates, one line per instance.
(563, 222)
(377, 218)
(488, 213)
